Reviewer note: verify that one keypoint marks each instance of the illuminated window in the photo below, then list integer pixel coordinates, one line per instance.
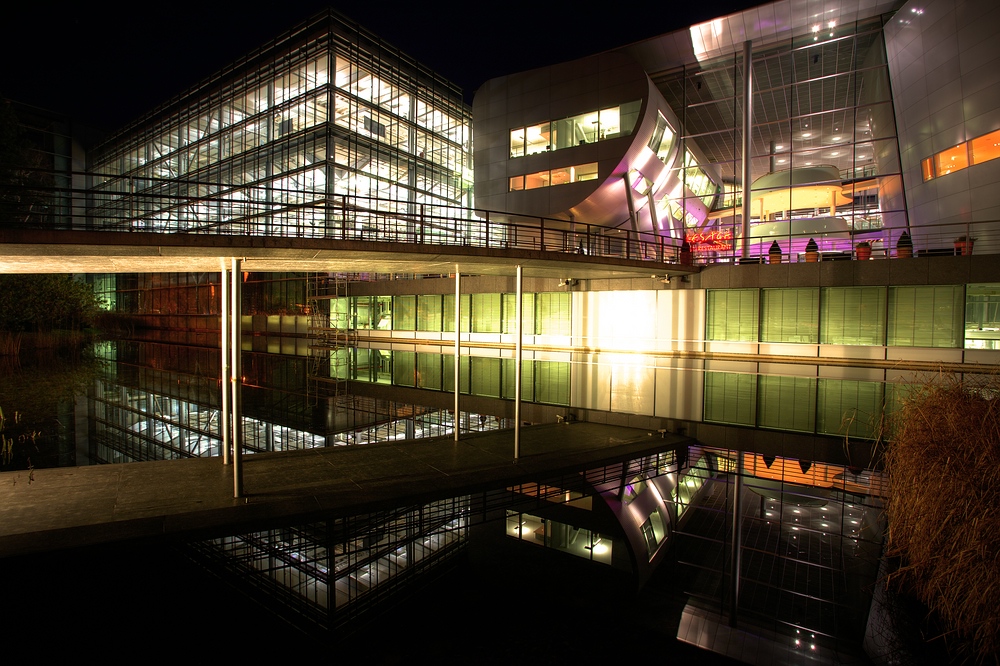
(585, 172)
(560, 176)
(927, 168)
(663, 139)
(953, 159)
(985, 148)
(976, 151)
(536, 139)
(533, 181)
(517, 142)
(608, 123)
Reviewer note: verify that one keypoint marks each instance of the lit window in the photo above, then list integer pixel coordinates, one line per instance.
(985, 148)
(927, 168)
(586, 172)
(533, 181)
(561, 176)
(537, 139)
(517, 142)
(953, 159)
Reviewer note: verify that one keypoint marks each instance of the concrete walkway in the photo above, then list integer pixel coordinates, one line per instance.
(52, 509)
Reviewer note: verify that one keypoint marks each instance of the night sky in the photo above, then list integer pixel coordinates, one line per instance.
(105, 64)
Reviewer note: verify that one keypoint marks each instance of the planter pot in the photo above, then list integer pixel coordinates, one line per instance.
(904, 252)
(863, 252)
(774, 258)
(963, 246)
(812, 257)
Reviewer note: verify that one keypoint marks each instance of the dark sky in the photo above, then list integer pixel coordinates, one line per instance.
(105, 64)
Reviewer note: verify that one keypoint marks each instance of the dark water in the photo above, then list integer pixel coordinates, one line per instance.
(499, 601)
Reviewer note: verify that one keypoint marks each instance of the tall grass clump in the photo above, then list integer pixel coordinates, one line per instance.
(944, 510)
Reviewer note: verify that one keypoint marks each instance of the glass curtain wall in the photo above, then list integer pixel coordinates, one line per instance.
(265, 151)
(819, 100)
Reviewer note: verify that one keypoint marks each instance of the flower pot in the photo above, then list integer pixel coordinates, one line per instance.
(774, 253)
(964, 245)
(812, 251)
(863, 252)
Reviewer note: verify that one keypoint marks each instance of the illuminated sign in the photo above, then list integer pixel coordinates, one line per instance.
(714, 239)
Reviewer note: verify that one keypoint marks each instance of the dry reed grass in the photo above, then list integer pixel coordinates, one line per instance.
(944, 509)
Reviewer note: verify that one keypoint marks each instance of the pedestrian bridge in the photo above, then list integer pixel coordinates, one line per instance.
(539, 251)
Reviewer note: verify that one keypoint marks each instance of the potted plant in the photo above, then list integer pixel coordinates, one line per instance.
(904, 246)
(774, 253)
(812, 251)
(863, 252)
(963, 245)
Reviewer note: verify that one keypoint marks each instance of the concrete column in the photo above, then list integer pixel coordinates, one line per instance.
(747, 142)
(518, 354)
(458, 337)
(236, 348)
(224, 425)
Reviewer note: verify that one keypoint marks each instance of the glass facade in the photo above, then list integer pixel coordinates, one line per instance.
(609, 123)
(333, 113)
(818, 99)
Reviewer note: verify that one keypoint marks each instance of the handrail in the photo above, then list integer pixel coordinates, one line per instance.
(259, 210)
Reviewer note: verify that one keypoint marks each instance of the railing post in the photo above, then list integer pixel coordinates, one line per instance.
(541, 234)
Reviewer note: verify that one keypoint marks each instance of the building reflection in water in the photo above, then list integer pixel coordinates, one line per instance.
(810, 539)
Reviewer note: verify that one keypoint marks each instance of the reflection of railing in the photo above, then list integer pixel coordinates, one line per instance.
(723, 243)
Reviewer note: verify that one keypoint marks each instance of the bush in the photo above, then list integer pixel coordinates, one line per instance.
(45, 302)
(944, 509)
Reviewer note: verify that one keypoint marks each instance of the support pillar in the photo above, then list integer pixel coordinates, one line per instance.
(224, 428)
(236, 347)
(518, 354)
(747, 143)
(734, 560)
(458, 334)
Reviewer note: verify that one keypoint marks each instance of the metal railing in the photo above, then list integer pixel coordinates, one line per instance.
(266, 211)
(921, 240)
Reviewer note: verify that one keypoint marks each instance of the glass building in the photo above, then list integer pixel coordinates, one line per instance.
(326, 111)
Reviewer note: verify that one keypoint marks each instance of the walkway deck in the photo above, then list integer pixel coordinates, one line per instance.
(62, 251)
(68, 507)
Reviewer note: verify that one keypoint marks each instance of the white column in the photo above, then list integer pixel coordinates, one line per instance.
(458, 332)
(236, 347)
(747, 143)
(518, 353)
(224, 425)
